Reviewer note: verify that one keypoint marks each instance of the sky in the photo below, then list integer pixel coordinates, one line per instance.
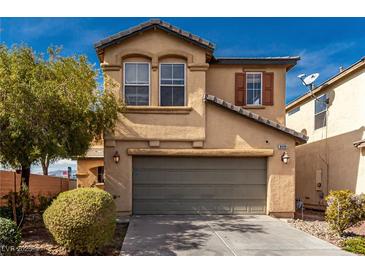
(324, 44)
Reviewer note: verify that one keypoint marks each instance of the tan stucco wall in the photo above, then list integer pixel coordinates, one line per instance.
(224, 130)
(179, 127)
(330, 148)
(87, 172)
(156, 46)
(229, 130)
(221, 83)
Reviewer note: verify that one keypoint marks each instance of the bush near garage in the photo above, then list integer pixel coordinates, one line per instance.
(10, 237)
(355, 245)
(344, 209)
(81, 220)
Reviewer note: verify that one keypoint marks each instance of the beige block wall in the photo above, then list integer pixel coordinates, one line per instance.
(39, 185)
(330, 149)
(87, 171)
(221, 83)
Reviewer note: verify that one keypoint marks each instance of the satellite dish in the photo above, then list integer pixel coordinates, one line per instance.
(308, 80)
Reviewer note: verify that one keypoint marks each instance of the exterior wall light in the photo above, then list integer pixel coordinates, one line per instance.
(116, 157)
(285, 158)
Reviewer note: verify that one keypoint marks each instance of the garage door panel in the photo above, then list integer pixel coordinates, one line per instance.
(201, 207)
(190, 176)
(186, 185)
(186, 192)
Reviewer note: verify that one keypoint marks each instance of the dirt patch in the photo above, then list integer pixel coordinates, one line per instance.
(36, 241)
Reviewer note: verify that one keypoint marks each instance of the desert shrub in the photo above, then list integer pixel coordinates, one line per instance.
(82, 219)
(344, 209)
(10, 237)
(355, 245)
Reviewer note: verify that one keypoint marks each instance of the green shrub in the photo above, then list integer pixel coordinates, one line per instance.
(10, 237)
(344, 209)
(7, 213)
(355, 245)
(82, 219)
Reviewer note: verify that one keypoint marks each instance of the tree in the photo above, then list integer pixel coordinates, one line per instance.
(50, 108)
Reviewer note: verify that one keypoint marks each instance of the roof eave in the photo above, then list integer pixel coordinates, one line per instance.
(288, 62)
(153, 24)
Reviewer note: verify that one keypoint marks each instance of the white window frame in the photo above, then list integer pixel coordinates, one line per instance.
(159, 83)
(254, 72)
(315, 114)
(149, 82)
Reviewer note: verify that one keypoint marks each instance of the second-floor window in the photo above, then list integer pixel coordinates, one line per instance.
(254, 88)
(320, 109)
(172, 84)
(137, 84)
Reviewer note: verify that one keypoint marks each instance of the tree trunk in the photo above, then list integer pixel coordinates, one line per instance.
(45, 165)
(25, 175)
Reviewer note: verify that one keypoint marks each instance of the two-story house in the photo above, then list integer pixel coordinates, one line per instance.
(333, 117)
(200, 134)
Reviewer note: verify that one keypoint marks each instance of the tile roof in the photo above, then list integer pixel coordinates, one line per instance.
(255, 117)
(154, 23)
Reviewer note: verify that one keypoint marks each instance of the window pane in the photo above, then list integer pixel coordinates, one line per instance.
(130, 73)
(320, 120)
(166, 81)
(142, 96)
(166, 71)
(320, 104)
(142, 73)
(178, 96)
(253, 86)
(136, 95)
(178, 82)
(166, 96)
(178, 71)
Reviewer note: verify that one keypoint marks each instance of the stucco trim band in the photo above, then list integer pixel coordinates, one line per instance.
(158, 110)
(202, 152)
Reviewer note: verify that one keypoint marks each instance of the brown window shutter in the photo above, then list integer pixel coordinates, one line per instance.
(268, 89)
(240, 89)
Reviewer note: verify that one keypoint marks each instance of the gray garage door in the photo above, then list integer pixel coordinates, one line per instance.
(185, 185)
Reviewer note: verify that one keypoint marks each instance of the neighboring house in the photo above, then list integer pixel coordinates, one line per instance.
(200, 134)
(333, 158)
(90, 167)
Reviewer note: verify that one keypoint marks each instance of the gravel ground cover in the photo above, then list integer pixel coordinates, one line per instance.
(313, 223)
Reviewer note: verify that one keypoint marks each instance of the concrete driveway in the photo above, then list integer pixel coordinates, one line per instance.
(220, 235)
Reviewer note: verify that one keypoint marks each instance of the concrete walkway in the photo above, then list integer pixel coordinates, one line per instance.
(220, 235)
